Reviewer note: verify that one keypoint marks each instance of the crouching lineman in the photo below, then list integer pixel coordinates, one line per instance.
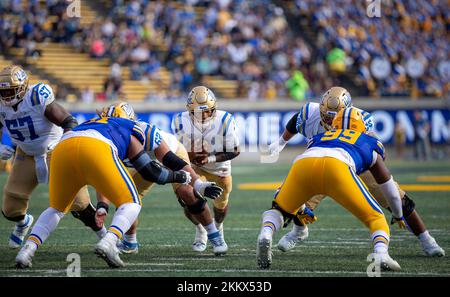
(212, 141)
(170, 152)
(92, 153)
(33, 120)
(315, 118)
(330, 166)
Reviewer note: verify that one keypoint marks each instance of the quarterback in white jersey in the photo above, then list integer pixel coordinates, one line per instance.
(168, 151)
(212, 142)
(315, 118)
(35, 123)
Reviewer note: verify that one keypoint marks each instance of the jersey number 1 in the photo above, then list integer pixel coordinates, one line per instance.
(15, 133)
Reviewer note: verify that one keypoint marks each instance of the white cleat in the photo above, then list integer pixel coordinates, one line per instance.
(432, 249)
(388, 264)
(264, 250)
(220, 247)
(20, 231)
(25, 256)
(290, 240)
(109, 252)
(201, 239)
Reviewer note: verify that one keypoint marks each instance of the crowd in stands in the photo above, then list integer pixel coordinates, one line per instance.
(397, 32)
(250, 42)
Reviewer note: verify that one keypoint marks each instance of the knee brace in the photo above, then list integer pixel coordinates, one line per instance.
(87, 216)
(197, 207)
(408, 206)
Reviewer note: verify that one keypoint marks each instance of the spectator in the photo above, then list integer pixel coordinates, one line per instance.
(422, 149)
(297, 86)
(87, 95)
(399, 140)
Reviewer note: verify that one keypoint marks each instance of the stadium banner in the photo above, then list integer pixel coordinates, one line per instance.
(262, 127)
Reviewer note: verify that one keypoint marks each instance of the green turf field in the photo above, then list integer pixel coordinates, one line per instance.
(338, 244)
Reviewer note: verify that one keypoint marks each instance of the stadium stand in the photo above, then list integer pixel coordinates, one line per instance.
(155, 50)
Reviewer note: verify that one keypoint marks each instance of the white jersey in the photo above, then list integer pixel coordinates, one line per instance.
(153, 137)
(27, 126)
(309, 121)
(217, 135)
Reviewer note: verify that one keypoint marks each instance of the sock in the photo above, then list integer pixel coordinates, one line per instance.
(46, 224)
(218, 225)
(211, 228)
(101, 233)
(272, 220)
(425, 236)
(124, 217)
(296, 230)
(380, 242)
(131, 238)
(23, 222)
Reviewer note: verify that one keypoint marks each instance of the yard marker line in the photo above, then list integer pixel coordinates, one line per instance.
(433, 178)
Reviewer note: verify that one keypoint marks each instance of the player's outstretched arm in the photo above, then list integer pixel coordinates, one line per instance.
(291, 129)
(151, 170)
(384, 178)
(59, 116)
(175, 163)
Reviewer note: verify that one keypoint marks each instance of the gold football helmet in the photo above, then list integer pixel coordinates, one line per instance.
(201, 104)
(119, 110)
(334, 100)
(349, 118)
(13, 85)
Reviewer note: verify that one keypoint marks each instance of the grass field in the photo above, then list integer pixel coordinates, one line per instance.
(338, 244)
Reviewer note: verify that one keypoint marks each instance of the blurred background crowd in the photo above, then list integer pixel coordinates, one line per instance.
(260, 50)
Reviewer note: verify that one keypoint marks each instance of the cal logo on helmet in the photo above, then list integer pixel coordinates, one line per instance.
(349, 119)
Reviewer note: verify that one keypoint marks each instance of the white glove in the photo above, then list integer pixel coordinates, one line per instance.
(277, 146)
(6, 152)
(208, 189)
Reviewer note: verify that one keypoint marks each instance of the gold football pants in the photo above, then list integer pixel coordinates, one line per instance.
(329, 176)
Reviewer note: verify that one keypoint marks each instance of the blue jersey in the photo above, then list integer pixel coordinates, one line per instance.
(117, 130)
(361, 147)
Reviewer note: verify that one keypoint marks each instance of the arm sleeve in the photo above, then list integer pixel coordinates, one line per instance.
(291, 126)
(138, 133)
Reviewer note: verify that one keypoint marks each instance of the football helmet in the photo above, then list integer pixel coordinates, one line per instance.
(201, 104)
(13, 85)
(349, 118)
(119, 110)
(334, 100)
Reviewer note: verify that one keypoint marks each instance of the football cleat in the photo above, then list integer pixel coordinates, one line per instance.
(264, 251)
(289, 241)
(109, 252)
(201, 239)
(126, 247)
(25, 256)
(387, 263)
(220, 247)
(432, 249)
(19, 233)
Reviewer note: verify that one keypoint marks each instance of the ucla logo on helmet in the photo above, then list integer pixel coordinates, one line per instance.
(347, 99)
(21, 75)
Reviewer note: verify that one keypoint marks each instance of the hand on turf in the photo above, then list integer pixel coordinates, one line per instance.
(6, 152)
(100, 216)
(306, 216)
(400, 222)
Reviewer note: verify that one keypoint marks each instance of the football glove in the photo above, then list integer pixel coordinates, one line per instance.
(208, 189)
(277, 146)
(101, 213)
(6, 152)
(306, 216)
(182, 177)
(401, 222)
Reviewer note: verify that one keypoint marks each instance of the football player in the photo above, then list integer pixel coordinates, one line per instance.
(170, 152)
(211, 139)
(35, 122)
(330, 166)
(92, 153)
(315, 118)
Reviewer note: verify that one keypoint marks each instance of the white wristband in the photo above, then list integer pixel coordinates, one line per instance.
(282, 142)
(212, 159)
